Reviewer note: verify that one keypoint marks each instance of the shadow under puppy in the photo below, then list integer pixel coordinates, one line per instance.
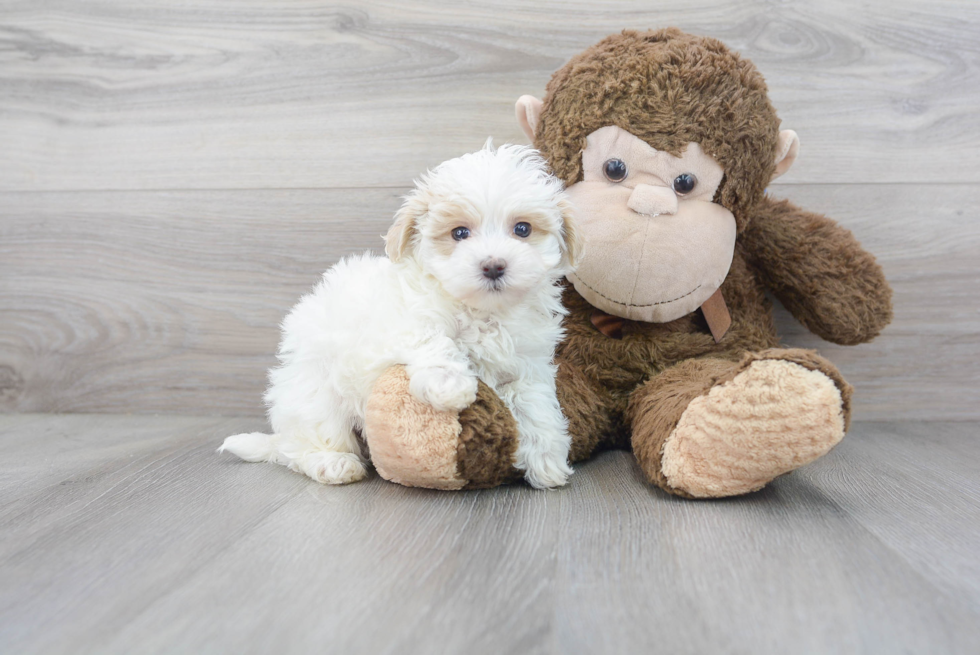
(469, 291)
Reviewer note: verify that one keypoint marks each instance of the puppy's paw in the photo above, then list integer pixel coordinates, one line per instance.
(332, 468)
(443, 388)
(547, 470)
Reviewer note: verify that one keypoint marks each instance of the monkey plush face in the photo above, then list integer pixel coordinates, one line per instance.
(662, 247)
(666, 142)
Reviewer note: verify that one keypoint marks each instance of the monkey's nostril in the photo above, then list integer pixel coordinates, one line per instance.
(493, 269)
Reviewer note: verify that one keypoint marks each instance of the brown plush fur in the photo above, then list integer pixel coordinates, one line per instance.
(487, 442)
(671, 88)
(819, 271)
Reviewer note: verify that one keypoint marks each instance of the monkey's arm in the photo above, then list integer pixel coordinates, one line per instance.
(819, 271)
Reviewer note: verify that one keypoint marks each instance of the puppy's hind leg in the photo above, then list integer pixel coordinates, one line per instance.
(300, 452)
(327, 451)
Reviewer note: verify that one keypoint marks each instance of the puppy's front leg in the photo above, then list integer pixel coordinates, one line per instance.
(544, 442)
(440, 375)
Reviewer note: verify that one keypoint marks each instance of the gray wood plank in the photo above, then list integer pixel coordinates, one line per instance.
(170, 301)
(915, 487)
(140, 302)
(43, 450)
(167, 547)
(293, 94)
(786, 569)
(339, 561)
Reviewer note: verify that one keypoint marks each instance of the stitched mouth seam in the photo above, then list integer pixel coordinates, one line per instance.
(636, 281)
(653, 304)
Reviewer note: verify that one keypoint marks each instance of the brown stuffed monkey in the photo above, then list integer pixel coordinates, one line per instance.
(666, 143)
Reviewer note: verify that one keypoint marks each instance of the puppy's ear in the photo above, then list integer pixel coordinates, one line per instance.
(398, 241)
(572, 244)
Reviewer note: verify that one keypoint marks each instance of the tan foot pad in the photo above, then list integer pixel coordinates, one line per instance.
(410, 442)
(772, 418)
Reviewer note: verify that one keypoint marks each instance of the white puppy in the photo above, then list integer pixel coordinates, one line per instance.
(468, 291)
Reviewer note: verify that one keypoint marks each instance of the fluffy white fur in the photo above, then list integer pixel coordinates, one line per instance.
(430, 307)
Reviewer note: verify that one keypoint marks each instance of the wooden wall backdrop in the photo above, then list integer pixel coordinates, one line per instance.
(174, 175)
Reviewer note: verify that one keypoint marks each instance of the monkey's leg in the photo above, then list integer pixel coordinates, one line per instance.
(709, 428)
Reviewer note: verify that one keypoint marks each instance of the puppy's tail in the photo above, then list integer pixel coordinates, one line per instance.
(252, 447)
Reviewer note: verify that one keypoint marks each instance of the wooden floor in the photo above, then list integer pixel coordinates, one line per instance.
(174, 175)
(126, 534)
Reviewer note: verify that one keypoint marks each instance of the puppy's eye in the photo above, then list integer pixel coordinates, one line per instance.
(460, 233)
(615, 170)
(522, 230)
(685, 183)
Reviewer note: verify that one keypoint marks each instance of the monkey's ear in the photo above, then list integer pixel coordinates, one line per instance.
(398, 241)
(786, 151)
(528, 110)
(571, 238)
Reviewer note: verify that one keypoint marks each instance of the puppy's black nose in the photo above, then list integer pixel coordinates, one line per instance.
(493, 268)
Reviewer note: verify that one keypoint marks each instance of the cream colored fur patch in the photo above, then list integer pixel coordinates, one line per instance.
(410, 442)
(770, 419)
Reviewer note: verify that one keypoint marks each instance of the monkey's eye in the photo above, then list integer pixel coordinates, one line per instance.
(615, 170)
(523, 230)
(460, 233)
(684, 183)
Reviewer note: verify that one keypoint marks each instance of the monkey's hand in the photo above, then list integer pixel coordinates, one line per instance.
(819, 271)
(416, 445)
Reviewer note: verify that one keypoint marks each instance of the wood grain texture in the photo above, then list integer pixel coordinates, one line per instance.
(125, 542)
(306, 94)
(170, 301)
(139, 302)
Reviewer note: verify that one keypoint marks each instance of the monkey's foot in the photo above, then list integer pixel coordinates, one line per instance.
(771, 418)
(415, 445)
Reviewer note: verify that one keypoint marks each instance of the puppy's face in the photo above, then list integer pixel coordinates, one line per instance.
(490, 226)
